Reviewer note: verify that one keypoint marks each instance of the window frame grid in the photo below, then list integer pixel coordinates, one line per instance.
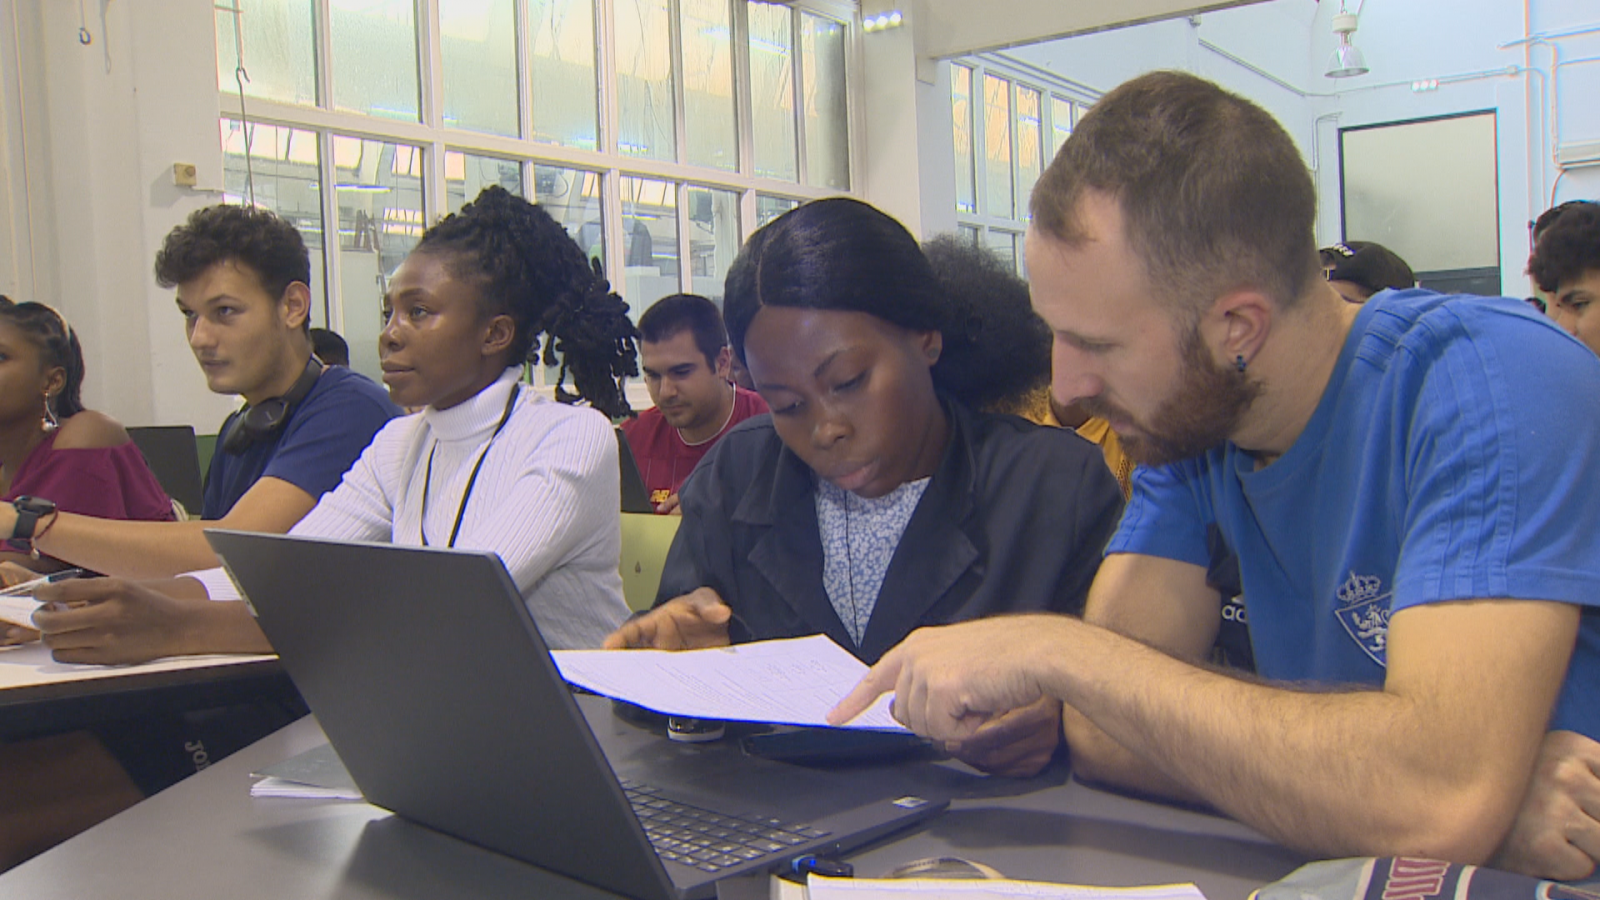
(1017, 75)
(433, 140)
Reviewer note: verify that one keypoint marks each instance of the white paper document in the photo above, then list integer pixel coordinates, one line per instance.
(18, 610)
(317, 774)
(795, 681)
(818, 888)
(272, 786)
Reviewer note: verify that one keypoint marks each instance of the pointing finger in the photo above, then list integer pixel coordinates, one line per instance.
(878, 679)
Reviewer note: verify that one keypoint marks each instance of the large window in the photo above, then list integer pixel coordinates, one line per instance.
(658, 132)
(1006, 124)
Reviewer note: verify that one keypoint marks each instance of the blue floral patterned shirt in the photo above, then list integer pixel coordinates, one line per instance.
(859, 537)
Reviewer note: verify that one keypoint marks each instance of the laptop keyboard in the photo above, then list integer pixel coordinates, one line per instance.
(707, 840)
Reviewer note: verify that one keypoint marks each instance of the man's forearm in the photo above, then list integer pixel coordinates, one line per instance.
(1361, 772)
(1097, 759)
(126, 549)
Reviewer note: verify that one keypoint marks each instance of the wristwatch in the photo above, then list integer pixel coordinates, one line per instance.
(29, 511)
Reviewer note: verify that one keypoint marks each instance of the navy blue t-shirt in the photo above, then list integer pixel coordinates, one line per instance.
(1450, 458)
(325, 434)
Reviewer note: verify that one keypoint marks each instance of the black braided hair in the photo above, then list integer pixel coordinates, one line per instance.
(531, 270)
(58, 346)
(843, 254)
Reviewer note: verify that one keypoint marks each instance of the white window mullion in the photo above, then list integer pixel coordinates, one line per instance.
(685, 264)
(1018, 202)
(747, 215)
(797, 80)
(680, 136)
(980, 141)
(327, 173)
(680, 129)
(855, 114)
(605, 45)
(524, 84)
(324, 38)
(743, 109)
(610, 118)
(431, 60)
(1047, 128)
(329, 195)
(430, 63)
(611, 227)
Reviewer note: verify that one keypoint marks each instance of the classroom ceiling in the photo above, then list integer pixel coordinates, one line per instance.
(949, 28)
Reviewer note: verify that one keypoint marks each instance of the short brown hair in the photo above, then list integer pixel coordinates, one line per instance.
(1213, 192)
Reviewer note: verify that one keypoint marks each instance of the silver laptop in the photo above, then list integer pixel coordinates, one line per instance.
(432, 682)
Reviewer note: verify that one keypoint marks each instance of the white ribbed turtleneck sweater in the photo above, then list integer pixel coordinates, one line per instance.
(546, 500)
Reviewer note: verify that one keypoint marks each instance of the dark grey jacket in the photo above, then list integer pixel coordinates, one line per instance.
(1014, 520)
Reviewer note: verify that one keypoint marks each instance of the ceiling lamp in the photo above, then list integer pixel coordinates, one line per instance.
(1346, 60)
(882, 21)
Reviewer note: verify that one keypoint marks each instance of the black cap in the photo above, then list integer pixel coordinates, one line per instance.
(1373, 267)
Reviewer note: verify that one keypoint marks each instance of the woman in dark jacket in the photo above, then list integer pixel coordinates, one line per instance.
(874, 499)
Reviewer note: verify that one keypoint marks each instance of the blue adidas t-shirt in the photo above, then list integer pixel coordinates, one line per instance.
(325, 433)
(1453, 456)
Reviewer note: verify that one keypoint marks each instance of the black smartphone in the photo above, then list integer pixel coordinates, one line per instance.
(830, 745)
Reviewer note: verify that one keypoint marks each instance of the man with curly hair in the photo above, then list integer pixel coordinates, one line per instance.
(1566, 266)
(242, 276)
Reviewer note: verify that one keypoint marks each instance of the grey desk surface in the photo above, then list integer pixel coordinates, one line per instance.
(207, 838)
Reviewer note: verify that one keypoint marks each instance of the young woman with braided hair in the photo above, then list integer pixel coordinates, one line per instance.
(50, 446)
(487, 464)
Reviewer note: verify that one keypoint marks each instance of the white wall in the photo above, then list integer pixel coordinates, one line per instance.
(1577, 83)
(1288, 43)
(100, 126)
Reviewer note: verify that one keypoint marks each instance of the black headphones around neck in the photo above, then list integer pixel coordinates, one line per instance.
(259, 422)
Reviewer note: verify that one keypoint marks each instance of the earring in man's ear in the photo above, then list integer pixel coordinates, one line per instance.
(48, 422)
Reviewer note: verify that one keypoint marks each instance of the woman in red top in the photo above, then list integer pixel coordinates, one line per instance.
(53, 448)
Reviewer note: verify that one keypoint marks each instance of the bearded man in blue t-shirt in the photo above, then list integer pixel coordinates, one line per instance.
(1404, 484)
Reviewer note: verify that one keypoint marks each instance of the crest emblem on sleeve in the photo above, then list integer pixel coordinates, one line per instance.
(1363, 610)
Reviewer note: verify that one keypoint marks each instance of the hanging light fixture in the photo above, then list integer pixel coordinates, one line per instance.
(1346, 60)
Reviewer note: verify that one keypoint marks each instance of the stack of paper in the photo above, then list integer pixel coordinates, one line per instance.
(16, 610)
(785, 682)
(272, 786)
(819, 888)
(316, 774)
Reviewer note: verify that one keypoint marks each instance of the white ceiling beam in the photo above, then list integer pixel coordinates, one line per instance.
(948, 28)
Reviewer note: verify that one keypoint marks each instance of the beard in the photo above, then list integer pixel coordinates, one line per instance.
(1205, 410)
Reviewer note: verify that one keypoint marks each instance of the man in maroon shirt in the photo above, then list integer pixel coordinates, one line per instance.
(685, 356)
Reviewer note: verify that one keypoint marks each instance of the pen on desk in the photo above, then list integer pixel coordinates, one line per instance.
(27, 587)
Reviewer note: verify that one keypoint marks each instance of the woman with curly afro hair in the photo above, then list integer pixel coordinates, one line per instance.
(877, 498)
